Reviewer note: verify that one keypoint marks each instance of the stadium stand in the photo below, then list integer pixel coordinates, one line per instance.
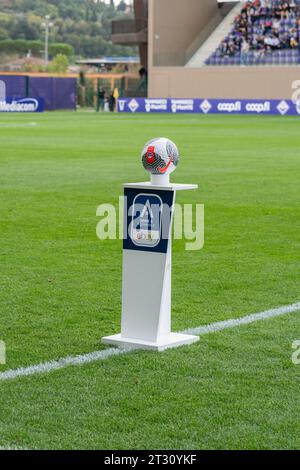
(265, 32)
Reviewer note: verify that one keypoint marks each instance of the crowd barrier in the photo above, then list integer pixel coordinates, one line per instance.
(209, 106)
(56, 92)
(22, 105)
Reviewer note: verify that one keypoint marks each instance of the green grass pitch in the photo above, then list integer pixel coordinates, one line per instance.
(60, 286)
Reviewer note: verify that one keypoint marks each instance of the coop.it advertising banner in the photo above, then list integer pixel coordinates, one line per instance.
(22, 105)
(208, 106)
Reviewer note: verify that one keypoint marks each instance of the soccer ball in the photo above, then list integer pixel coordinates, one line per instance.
(160, 156)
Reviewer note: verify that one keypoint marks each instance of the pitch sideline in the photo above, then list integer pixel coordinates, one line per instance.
(13, 448)
(105, 354)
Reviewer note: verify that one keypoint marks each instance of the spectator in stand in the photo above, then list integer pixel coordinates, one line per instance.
(244, 52)
(293, 43)
(272, 42)
(263, 25)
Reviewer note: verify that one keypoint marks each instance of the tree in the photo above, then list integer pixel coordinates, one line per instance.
(59, 64)
(84, 25)
(22, 29)
(56, 49)
(3, 34)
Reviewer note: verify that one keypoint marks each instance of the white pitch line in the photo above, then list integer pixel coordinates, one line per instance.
(61, 363)
(254, 317)
(13, 448)
(105, 354)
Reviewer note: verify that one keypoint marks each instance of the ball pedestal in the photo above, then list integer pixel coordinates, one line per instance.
(147, 266)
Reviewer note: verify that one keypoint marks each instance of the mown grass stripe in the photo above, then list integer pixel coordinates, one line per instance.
(105, 354)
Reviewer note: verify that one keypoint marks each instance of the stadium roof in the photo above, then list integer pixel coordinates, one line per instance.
(109, 61)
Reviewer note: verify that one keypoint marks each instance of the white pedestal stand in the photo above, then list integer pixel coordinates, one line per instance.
(146, 289)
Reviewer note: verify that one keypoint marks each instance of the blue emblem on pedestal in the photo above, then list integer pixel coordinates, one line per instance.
(148, 219)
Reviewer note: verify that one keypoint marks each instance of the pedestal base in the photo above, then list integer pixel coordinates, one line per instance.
(173, 340)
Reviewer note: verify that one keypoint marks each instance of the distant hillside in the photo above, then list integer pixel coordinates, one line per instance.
(85, 25)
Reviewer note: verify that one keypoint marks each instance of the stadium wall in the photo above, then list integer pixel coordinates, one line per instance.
(223, 82)
(173, 25)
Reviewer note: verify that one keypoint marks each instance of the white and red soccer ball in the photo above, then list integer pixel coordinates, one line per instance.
(160, 156)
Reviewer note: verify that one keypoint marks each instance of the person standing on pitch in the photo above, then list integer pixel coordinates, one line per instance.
(112, 102)
(116, 97)
(101, 100)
